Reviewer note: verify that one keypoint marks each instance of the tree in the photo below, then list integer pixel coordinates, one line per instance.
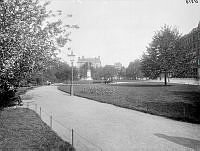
(98, 73)
(133, 70)
(108, 72)
(149, 64)
(121, 73)
(84, 68)
(161, 53)
(63, 72)
(28, 43)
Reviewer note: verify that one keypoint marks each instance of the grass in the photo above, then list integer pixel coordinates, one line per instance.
(22, 129)
(180, 102)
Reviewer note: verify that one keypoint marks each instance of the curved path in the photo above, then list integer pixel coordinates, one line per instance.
(114, 128)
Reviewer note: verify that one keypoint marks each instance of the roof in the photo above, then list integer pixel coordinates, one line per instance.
(194, 30)
(92, 60)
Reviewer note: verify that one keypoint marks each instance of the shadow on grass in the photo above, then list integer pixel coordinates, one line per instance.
(186, 142)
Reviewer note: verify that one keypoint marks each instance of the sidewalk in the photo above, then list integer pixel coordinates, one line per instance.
(189, 81)
(22, 129)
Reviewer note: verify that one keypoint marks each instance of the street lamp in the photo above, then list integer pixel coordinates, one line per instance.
(71, 56)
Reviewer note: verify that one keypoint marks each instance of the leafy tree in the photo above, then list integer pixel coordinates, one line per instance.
(121, 73)
(98, 73)
(161, 53)
(149, 64)
(28, 43)
(133, 70)
(183, 63)
(108, 72)
(63, 72)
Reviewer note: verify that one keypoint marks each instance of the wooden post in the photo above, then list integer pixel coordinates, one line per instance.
(36, 108)
(72, 88)
(184, 112)
(72, 138)
(51, 121)
(40, 112)
(165, 77)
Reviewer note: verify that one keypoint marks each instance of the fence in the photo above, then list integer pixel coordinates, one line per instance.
(79, 142)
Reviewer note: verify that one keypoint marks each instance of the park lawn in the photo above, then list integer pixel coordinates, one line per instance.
(22, 129)
(177, 101)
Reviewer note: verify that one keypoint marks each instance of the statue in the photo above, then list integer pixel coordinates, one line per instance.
(89, 77)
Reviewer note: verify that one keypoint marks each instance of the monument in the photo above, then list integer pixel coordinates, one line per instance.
(86, 64)
(89, 76)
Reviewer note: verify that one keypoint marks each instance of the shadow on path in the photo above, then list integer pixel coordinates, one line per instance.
(186, 142)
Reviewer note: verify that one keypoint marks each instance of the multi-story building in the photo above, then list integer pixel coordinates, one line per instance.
(118, 66)
(191, 42)
(94, 62)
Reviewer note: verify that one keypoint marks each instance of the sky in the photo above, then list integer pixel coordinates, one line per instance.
(120, 30)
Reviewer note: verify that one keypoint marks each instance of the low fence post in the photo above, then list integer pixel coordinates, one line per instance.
(72, 138)
(147, 107)
(36, 108)
(40, 112)
(184, 110)
(51, 121)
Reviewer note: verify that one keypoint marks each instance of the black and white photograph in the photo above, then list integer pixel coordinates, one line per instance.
(99, 75)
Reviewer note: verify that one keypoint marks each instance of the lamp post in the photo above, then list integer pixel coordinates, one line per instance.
(71, 56)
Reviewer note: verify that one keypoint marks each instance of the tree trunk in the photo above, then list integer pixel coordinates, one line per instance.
(165, 77)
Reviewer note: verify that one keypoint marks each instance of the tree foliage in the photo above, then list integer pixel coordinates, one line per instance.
(133, 71)
(108, 72)
(161, 54)
(121, 73)
(28, 43)
(63, 72)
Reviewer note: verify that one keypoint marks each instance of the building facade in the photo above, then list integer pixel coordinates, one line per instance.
(191, 42)
(118, 66)
(94, 62)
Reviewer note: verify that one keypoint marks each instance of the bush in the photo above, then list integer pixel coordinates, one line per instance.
(8, 96)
